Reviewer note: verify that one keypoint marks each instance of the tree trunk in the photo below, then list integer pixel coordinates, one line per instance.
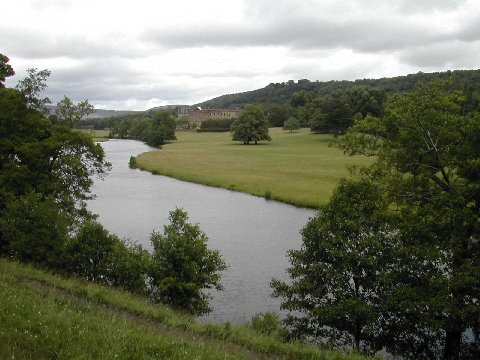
(453, 341)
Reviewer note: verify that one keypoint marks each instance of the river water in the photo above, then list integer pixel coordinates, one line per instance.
(252, 234)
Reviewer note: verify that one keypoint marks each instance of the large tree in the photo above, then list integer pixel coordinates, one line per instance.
(31, 87)
(251, 125)
(335, 283)
(69, 113)
(335, 117)
(41, 161)
(428, 171)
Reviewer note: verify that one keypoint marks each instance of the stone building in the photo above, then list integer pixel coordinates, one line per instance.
(199, 115)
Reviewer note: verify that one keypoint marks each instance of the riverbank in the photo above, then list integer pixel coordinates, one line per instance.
(297, 168)
(44, 316)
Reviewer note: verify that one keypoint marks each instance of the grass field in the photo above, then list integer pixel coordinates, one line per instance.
(98, 135)
(43, 316)
(297, 168)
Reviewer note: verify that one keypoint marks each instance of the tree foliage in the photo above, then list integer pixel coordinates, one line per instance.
(6, 69)
(216, 125)
(183, 266)
(335, 280)
(282, 93)
(291, 124)
(155, 130)
(32, 86)
(423, 195)
(46, 172)
(69, 113)
(251, 125)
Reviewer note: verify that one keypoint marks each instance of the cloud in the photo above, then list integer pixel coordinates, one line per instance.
(455, 54)
(302, 30)
(147, 52)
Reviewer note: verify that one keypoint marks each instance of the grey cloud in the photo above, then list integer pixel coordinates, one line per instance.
(415, 6)
(456, 53)
(26, 43)
(363, 35)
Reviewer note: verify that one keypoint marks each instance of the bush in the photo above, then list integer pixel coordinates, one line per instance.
(132, 163)
(129, 267)
(35, 230)
(266, 323)
(90, 252)
(216, 125)
(182, 266)
(96, 255)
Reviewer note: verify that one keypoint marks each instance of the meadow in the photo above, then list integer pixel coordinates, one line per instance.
(97, 135)
(45, 316)
(298, 168)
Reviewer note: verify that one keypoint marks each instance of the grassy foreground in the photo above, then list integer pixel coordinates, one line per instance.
(44, 316)
(297, 168)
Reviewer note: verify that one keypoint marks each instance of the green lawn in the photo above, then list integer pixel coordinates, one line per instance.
(297, 168)
(98, 135)
(43, 316)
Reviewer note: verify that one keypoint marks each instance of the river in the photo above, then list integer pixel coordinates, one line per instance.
(252, 234)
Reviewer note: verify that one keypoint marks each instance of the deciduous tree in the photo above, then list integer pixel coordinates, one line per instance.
(251, 125)
(69, 113)
(6, 69)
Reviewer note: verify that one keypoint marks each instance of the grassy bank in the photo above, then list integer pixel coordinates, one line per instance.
(297, 168)
(43, 316)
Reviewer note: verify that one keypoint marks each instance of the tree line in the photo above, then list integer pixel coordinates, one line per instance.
(281, 93)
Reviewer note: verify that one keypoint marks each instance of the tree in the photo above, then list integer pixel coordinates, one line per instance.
(32, 86)
(34, 229)
(291, 124)
(162, 129)
(278, 114)
(96, 255)
(407, 231)
(70, 114)
(428, 161)
(6, 69)
(367, 100)
(183, 266)
(336, 115)
(335, 283)
(48, 160)
(251, 125)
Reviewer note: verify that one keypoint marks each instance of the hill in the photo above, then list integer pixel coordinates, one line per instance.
(280, 93)
(44, 316)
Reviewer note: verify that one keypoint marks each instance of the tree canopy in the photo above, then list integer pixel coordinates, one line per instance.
(183, 265)
(6, 69)
(69, 113)
(393, 260)
(251, 125)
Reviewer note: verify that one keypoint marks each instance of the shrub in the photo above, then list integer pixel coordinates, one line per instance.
(182, 266)
(34, 229)
(266, 323)
(90, 252)
(216, 125)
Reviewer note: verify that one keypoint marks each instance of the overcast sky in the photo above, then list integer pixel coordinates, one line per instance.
(138, 54)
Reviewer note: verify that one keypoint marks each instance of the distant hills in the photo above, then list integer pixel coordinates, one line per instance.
(100, 113)
(280, 93)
